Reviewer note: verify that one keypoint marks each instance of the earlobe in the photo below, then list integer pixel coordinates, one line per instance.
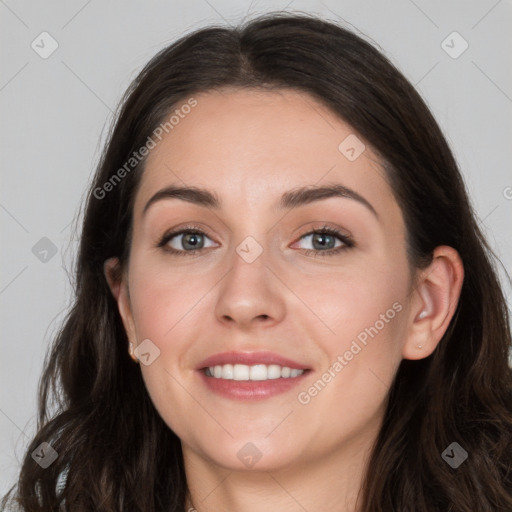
(434, 302)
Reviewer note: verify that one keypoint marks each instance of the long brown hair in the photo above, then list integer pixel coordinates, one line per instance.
(118, 452)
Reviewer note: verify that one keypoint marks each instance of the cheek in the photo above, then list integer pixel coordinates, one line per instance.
(365, 316)
(166, 308)
(369, 313)
(361, 333)
(163, 301)
(362, 302)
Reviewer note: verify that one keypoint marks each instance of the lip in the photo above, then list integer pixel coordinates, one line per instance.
(250, 359)
(248, 390)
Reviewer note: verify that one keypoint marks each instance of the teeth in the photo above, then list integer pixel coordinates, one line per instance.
(240, 372)
(255, 372)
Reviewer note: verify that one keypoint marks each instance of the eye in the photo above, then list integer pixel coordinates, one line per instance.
(190, 240)
(185, 241)
(324, 241)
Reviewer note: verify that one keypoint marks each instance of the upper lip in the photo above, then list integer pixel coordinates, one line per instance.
(249, 359)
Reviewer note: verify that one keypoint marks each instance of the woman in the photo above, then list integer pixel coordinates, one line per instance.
(214, 359)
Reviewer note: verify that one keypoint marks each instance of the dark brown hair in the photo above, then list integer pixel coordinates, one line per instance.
(118, 452)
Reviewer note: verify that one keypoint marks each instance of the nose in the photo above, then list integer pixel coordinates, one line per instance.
(251, 294)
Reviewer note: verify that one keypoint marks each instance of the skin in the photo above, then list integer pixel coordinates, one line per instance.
(249, 147)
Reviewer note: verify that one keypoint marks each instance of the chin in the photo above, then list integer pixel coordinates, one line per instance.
(252, 453)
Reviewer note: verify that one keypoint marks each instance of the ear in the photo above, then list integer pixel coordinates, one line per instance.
(118, 283)
(433, 303)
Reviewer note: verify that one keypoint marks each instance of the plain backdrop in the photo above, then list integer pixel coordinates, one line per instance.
(55, 110)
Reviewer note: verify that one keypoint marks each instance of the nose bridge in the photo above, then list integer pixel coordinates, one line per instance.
(251, 236)
(248, 263)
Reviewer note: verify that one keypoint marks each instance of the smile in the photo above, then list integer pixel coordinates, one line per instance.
(257, 372)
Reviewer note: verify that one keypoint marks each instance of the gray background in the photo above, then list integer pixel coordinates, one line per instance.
(54, 113)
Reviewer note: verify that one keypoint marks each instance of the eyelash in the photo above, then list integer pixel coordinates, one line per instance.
(347, 241)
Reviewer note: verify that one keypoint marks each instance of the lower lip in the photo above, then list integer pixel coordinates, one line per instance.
(251, 389)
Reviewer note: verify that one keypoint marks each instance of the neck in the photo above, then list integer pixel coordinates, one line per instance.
(331, 482)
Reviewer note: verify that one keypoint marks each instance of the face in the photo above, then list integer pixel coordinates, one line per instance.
(267, 282)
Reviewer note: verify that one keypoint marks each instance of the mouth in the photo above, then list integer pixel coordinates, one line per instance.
(251, 376)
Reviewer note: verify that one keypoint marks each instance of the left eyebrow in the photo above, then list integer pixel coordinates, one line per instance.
(305, 195)
(291, 199)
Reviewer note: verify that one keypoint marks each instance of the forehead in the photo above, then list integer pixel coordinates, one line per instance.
(250, 146)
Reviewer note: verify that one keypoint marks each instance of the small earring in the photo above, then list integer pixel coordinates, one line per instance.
(419, 346)
(423, 314)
